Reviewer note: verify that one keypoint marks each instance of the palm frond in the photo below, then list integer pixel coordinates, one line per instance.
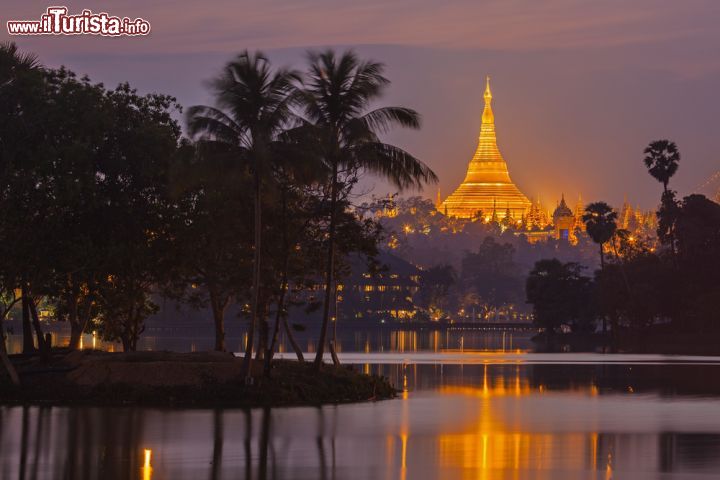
(383, 119)
(393, 163)
(213, 123)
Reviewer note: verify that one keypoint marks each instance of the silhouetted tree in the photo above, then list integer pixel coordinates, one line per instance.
(559, 294)
(211, 231)
(435, 285)
(8, 299)
(492, 274)
(82, 115)
(22, 154)
(600, 223)
(697, 232)
(132, 182)
(336, 100)
(661, 159)
(253, 108)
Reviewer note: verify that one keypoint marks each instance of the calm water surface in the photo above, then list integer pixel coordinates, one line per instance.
(465, 414)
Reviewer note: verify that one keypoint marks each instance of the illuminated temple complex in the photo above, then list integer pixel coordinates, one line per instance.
(487, 188)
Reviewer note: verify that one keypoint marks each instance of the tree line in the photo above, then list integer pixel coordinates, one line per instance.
(105, 202)
(672, 284)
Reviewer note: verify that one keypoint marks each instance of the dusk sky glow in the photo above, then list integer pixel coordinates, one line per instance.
(580, 87)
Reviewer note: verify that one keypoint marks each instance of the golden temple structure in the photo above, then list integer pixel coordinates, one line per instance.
(487, 188)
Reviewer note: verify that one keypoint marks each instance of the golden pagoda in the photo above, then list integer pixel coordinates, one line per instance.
(487, 182)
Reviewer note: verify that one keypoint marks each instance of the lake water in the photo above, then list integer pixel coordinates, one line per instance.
(484, 413)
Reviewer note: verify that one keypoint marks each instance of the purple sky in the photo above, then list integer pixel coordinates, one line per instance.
(580, 87)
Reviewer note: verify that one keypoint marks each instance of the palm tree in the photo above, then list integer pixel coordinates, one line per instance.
(336, 101)
(661, 159)
(254, 107)
(600, 222)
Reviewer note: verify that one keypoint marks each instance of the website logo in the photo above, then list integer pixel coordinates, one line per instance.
(56, 21)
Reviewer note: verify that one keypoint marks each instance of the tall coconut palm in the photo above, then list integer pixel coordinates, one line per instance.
(601, 223)
(337, 100)
(661, 159)
(253, 108)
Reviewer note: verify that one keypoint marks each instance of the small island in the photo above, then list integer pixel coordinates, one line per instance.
(187, 380)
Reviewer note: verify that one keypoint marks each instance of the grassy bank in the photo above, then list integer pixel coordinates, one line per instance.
(167, 379)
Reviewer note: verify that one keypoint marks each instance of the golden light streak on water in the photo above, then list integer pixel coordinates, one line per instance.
(147, 467)
(489, 445)
(405, 384)
(593, 453)
(485, 388)
(404, 431)
(403, 455)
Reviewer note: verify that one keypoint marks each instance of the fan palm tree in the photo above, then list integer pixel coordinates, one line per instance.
(601, 223)
(661, 159)
(336, 101)
(254, 107)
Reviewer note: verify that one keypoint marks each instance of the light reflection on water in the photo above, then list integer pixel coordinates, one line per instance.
(575, 420)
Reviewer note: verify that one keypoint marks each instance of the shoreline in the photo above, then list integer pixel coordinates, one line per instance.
(653, 341)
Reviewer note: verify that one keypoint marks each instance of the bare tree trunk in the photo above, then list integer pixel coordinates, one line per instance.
(75, 335)
(129, 333)
(330, 272)
(218, 307)
(246, 373)
(263, 331)
(125, 340)
(333, 353)
(28, 343)
(291, 339)
(72, 305)
(43, 346)
(6, 359)
(276, 329)
(283, 287)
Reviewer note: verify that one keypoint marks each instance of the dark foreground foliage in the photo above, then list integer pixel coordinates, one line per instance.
(165, 379)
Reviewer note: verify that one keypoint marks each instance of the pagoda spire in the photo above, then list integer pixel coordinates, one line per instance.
(487, 179)
(487, 116)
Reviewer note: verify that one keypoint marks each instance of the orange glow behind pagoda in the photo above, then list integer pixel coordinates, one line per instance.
(487, 187)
